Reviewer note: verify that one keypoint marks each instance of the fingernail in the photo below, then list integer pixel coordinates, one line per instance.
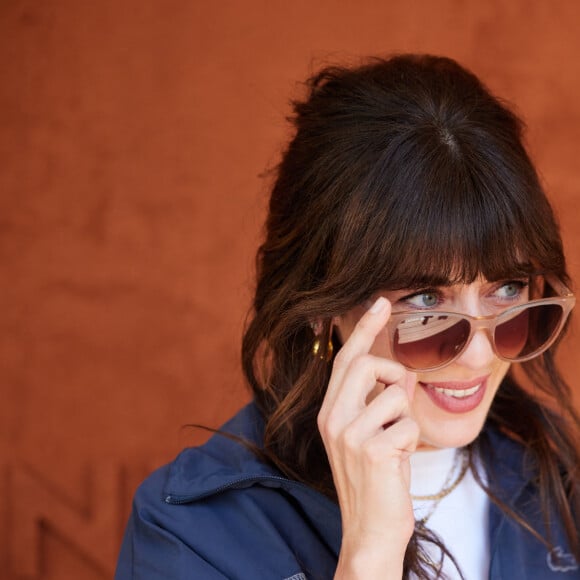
(379, 304)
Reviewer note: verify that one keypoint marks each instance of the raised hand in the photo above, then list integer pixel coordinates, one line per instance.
(369, 435)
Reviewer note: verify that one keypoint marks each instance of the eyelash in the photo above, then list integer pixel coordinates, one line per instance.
(521, 284)
(407, 299)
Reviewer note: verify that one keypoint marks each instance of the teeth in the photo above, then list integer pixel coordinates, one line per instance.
(458, 393)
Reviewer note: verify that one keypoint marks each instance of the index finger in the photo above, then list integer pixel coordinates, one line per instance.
(363, 334)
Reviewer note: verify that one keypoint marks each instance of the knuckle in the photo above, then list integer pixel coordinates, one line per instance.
(402, 395)
(409, 431)
(352, 364)
(396, 394)
(340, 360)
(361, 363)
(328, 426)
(398, 372)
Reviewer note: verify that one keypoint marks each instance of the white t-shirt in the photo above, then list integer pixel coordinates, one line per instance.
(460, 519)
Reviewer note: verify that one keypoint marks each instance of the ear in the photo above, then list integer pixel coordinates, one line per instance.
(316, 326)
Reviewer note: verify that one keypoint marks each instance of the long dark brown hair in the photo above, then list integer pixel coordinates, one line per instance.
(401, 173)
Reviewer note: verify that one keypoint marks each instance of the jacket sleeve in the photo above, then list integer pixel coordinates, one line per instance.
(149, 552)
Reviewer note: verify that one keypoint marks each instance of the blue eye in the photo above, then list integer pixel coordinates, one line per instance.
(511, 290)
(423, 300)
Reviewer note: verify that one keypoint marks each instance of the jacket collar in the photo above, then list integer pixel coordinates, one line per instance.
(509, 468)
(224, 463)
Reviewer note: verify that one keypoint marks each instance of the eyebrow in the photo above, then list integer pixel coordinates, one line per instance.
(435, 281)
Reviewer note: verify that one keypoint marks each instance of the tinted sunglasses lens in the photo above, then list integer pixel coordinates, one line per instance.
(425, 341)
(528, 331)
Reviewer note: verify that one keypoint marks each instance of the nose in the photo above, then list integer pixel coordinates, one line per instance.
(478, 353)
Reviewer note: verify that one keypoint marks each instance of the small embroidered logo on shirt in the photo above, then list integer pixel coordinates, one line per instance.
(560, 561)
(299, 576)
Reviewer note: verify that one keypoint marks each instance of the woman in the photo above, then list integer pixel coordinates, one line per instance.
(408, 417)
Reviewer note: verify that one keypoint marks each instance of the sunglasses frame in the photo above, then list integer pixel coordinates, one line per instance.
(488, 324)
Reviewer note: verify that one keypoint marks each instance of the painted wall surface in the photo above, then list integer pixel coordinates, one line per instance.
(134, 136)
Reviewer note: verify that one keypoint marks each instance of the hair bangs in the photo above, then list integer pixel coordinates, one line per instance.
(448, 225)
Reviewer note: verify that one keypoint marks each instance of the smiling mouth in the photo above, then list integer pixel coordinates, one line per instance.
(456, 393)
(454, 396)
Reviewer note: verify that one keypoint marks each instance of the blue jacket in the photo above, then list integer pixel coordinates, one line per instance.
(218, 512)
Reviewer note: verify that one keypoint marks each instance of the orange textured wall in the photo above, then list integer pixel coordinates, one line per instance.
(133, 136)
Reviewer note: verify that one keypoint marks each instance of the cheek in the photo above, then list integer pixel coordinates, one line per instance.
(499, 374)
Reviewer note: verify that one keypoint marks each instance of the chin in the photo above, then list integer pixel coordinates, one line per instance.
(441, 430)
(455, 431)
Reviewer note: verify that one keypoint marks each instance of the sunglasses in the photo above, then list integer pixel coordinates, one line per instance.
(427, 340)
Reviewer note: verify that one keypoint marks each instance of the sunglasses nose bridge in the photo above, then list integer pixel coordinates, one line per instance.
(485, 325)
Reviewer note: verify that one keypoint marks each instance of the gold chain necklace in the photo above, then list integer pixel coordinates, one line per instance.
(448, 486)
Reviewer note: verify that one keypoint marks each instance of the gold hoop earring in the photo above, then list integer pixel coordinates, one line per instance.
(327, 356)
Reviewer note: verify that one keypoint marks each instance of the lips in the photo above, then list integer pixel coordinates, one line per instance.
(456, 396)
(458, 393)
